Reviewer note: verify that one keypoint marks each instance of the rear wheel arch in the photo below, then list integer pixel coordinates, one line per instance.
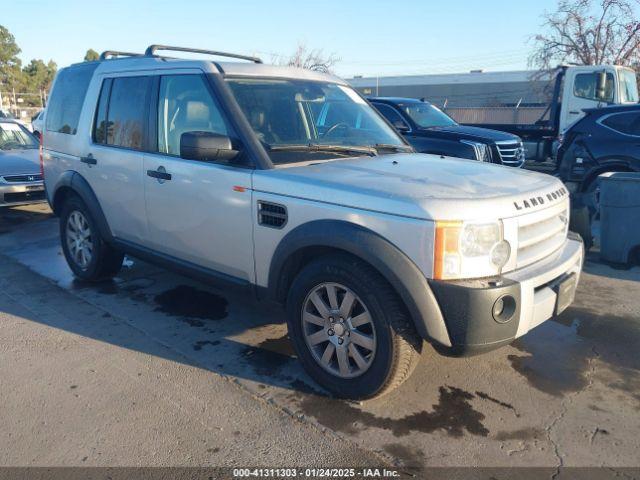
(610, 165)
(309, 241)
(73, 184)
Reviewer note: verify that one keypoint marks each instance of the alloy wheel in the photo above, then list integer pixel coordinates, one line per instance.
(79, 239)
(338, 330)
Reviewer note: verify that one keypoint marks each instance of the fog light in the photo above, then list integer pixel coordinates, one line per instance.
(500, 253)
(504, 309)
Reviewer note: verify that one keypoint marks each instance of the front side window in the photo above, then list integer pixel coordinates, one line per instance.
(14, 136)
(628, 87)
(185, 105)
(392, 115)
(120, 118)
(428, 116)
(321, 116)
(586, 86)
(67, 98)
(627, 123)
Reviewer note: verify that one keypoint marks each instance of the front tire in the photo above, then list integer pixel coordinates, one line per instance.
(87, 254)
(349, 328)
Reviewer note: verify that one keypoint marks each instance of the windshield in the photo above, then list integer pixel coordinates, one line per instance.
(4, 114)
(13, 136)
(322, 119)
(426, 115)
(628, 87)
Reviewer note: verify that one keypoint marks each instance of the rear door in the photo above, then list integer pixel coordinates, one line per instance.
(113, 163)
(200, 212)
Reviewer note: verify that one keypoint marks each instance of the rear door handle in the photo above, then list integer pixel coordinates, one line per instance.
(159, 174)
(89, 160)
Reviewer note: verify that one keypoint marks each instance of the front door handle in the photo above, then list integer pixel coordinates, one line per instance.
(89, 160)
(160, 174)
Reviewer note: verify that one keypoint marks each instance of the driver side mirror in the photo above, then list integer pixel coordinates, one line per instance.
(206, 146)
(601, 86)
(401, 126)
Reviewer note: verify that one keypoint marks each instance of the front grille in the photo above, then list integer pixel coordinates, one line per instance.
(511, 153)
(24, 196)
(22, 178)
(271, 214)
(541, 233)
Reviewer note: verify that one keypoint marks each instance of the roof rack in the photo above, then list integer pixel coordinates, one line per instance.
(151, 51)
(114, 53)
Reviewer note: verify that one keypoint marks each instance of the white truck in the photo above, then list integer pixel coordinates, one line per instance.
(222, 170)
(576, 88)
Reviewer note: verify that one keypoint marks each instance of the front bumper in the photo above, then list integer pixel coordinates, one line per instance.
(21, 193)
(469, 306)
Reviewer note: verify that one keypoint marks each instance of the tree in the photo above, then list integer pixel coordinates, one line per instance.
(309, 59)
(37, 78)
(9, 62)
(91, 55)
(588, 32)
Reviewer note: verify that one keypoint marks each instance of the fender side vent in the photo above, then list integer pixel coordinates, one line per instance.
(271, 214)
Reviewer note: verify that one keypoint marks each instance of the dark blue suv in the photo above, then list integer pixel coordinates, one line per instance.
(429, 130)
(604, 140)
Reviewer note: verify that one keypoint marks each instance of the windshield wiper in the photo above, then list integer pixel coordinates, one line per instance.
(395, 148)
(317, 147)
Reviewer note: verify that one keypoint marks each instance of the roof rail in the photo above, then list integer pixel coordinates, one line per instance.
(151, 51)
(114, 53)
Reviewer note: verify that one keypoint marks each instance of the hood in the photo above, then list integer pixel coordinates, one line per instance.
(414, 185)
(463, 132)
(17, 161)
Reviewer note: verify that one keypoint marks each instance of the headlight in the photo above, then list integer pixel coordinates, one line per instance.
(480, 150)
(469, 250)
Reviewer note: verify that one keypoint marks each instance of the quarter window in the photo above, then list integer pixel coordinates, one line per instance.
(67, 98)
(627, 123)
(185, 105)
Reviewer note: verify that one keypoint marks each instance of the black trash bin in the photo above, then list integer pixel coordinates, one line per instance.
(619, 216)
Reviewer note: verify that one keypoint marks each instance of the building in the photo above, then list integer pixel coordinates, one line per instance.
(473, 89)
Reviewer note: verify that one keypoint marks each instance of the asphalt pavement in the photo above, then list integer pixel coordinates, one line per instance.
(157, 369)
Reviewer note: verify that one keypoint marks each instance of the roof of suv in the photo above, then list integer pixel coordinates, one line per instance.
(614, 108)
(241, 69)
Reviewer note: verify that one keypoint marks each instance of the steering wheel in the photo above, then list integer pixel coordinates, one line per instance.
(333, 128)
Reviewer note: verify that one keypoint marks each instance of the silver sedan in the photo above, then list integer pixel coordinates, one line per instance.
(20, 176)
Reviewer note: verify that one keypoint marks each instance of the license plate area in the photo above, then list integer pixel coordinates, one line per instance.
(565, 289)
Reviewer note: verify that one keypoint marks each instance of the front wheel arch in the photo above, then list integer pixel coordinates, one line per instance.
(308, 241)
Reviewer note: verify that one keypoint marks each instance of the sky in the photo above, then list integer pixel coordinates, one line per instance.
(371, 38)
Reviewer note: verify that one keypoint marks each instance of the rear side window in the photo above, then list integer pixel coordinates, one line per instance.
(121, 116)
(627, 123)
(67, 97)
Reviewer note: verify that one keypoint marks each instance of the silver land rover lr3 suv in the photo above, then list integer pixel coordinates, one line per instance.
(288, 183)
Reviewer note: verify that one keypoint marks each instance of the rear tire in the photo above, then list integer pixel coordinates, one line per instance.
(380, 345)
(87, 254)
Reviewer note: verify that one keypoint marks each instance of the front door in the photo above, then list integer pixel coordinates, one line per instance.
(198, 212)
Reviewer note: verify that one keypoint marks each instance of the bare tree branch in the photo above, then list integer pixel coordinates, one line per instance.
(589, 32)
(309, 59)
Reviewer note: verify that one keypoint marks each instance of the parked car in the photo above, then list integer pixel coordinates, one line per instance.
(429, 130)
(576, 88)
(37, 124)
(20, 176)
(286, 182)
(605, 140)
